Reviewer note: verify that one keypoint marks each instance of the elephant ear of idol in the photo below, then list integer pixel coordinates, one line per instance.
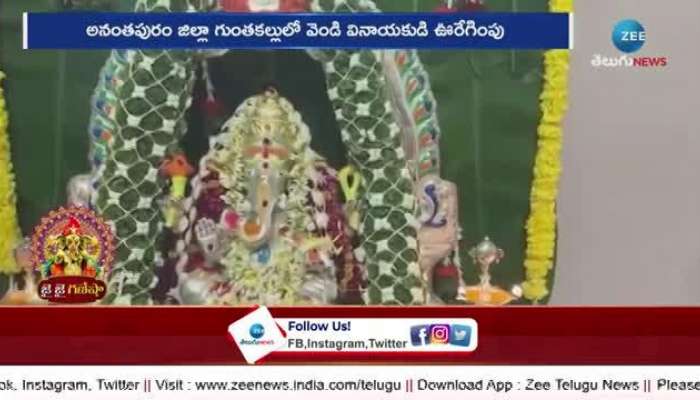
(149, 119)
(357, 88)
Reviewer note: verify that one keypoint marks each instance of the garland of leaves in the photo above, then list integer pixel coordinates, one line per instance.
(357, 89)
(151, 101)
(541, 225)
(9, 227)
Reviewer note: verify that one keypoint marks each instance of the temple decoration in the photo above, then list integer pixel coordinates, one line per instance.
(485, 255)
(211, 106)
(263, 221)
(24, 292)
(350, 183)
(388, 231)
(392, 144)
(265, 224)
(104, 102)
(178, 169)
(415, 109)
(342, 227)
(542, 223)
(155, 91)
(80, 190)
(9, 227)
(101, 128)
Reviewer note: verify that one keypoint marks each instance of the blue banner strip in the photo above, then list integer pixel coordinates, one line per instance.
(297, 31)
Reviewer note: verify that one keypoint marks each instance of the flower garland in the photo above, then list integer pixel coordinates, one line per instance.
(9, 227)
(541, 225)
(279, 285)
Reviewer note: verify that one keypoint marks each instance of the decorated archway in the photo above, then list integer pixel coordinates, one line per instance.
(152, 93)
(142, 101)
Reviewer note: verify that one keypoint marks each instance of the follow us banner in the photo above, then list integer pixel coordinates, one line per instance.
(247, 31)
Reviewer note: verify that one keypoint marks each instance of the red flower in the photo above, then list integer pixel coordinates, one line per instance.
(447, 271)
(231, 219)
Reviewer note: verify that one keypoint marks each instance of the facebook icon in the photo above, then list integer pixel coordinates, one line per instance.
(419, 335)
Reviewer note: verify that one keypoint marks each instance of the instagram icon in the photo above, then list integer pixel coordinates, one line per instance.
(439, 334)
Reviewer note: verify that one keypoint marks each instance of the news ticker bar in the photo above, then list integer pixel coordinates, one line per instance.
(200, 336)
(349, 382)
(297, 31)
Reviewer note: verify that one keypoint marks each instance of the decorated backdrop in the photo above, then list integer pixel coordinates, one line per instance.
(499, 114)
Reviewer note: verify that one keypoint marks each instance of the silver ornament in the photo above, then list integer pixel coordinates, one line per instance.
(80, 190)
(318, 289)
(195, 288)
(486, 253)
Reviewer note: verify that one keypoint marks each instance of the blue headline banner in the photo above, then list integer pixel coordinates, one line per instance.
(270, 31)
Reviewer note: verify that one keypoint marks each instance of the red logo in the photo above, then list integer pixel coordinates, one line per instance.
(650, 62)
(72, 289)
(626, 61)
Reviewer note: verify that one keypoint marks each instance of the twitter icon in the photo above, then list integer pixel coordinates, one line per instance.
(460, 335)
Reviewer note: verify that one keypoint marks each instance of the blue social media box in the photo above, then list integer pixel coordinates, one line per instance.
(420, 335)
(461, 335)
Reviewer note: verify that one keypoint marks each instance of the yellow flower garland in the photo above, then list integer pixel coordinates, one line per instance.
(9, 228)
(542, 223)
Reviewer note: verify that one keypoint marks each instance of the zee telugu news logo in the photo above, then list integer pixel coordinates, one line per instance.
(456, 335)
(256, 332)
(629, 36)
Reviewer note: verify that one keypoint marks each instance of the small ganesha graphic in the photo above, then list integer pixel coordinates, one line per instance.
(73, 242)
